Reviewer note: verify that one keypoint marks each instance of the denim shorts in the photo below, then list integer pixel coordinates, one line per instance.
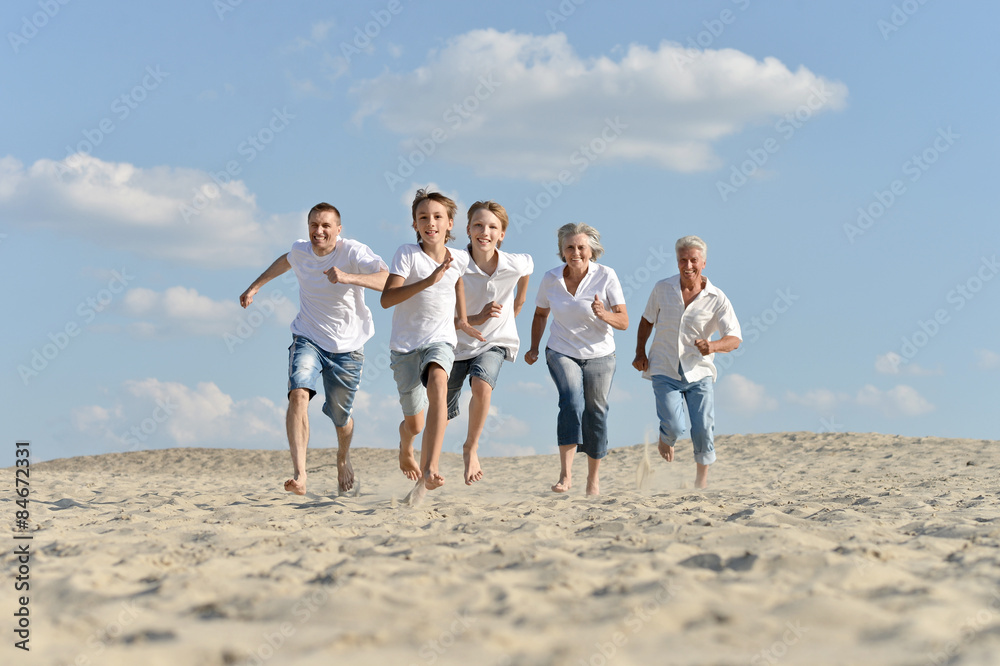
(341, 374)
(486, 366)
(410, 371)
(584, 385)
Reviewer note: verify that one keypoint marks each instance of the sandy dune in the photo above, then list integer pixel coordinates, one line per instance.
(807, 549)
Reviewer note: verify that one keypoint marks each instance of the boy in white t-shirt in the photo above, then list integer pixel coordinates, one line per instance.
(328, 335)
(425, 287)
(496, 286)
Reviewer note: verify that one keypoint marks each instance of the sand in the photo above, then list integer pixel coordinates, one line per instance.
(807, 549)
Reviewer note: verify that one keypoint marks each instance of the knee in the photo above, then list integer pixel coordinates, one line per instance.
(437, 380)
(671, 431)
(570, 401)
(412, 427)
(481, 389)
(298, 398)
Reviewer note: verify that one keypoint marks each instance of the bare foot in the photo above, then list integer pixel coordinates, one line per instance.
(345, 472)
(593, 486)
(408, 462)
(473, 472)
(666, 451)
(701, 477)
(296, 485)
(565, 483)
(432, 479)
(416, 496)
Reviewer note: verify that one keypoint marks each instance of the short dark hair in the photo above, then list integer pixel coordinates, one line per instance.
(322, 207)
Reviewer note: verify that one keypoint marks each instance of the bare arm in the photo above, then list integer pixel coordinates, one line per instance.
(537, 330)
(521, 294)
(279, 267)
(395, 292)
(374, 281)
(640, 362)
(617, 318)
(491, 309)
(461, 323)
(723, 345)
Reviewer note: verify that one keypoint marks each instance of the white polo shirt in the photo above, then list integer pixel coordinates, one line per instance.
(678, 327)
(575, 331)
(428, 316)
(334, 316)
(480, 289)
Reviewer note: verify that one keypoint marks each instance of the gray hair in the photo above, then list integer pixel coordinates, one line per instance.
(571, 229)
(689, 242)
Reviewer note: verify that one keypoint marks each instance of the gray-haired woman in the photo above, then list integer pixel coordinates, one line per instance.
(586, 302)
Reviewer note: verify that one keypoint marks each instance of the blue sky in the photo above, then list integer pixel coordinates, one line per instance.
(838, 158)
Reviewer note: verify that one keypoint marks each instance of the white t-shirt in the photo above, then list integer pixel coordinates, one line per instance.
(678, 327)
(334, 316)
(575, 331)
(480, 289)
(429, 316)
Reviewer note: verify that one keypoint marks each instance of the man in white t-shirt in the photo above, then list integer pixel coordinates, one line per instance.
(686, 310)
(328, 335)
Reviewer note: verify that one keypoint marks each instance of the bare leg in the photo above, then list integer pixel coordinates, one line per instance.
(297, 427)
(701, 477)
(437, 419)
(593, 482)
(566, 468)
(666, 451)
(345, 472)
(409, 428)
(479, 409)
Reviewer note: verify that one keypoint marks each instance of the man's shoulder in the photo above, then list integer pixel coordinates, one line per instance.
(712, 289)
(300, 253)
(355, 247)
(668, 283)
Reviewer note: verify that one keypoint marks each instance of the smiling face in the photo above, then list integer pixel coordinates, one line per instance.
(690, 262)
(576, 251)
(432, 222)
(324, 227)
(485, 230)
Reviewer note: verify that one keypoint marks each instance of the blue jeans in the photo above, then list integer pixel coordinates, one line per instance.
(583, 385)
(341, 374)
(671, 395)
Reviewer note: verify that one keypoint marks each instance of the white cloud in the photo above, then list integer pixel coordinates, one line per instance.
(821, 400)
(901, 400)
(534, 388)
(182, 311)
(126, 207)
(531, 103)
(988, 360)
(740, 394)
(154, 414)
(892, 363)
(317, 35)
